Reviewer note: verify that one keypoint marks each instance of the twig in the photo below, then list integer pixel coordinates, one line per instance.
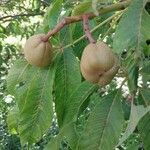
(93, 30)
(87, 29)
(130, 98)
(20, 15)
(72, 19)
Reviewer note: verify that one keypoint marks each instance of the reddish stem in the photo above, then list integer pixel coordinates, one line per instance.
(59, 26)
(87, 29)
(64, 22)
(130, 98)
(72, 19)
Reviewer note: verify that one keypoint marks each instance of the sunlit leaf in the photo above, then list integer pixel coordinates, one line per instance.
(137, 112)
(13, 119)
(126, 109)
(144, 125)
(77, 98)
(33, 91)
(132, 69)
(99, 4)
(145, 25)
(65, 34)
(52, 15)
(133, 38)
(145, 93)
(146, 68)
(82, 8)
(69, 133)
(67, 79)
(16, 75)
(90, 6)
(104, 124)
(133, 76)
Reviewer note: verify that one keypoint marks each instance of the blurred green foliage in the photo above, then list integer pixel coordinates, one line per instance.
(19, 19)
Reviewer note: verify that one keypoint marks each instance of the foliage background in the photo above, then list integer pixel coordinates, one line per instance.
(24, 18)
(19, 19)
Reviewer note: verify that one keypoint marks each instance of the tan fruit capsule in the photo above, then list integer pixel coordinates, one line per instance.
(98, 63)
(38, 52)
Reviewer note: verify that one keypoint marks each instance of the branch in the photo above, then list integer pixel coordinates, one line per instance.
(87, 29)
(72, 19)
(20, 15)
(93, 30)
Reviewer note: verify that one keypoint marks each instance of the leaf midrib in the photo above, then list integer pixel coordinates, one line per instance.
(104, 127)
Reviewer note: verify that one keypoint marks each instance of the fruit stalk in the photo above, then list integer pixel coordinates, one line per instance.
(87, 29)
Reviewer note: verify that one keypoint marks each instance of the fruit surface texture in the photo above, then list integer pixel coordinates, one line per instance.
(38, 52)
(98, 63)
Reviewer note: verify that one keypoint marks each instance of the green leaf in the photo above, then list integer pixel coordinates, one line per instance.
(126, 106)
(77, 32)
(133, 76)
(68, 78)
(133, 146)
(69, 133)
(145, 93)
(146, 32)
(36, 4)
(76, 100)
(89, 6)
(34, 99)
(132, 19)
(13, 119)
(144, 128)
(131, 66)
(100, 3)
(145, 25)
(54, 144)
(89, 103)
(68, 129)
(145, 72)
(16, 75)
(144, 125)
(35, 104)
(104, 124)
(146, 68)
(65, 34)
(52, 15)
(82, 8)
(137, 112)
